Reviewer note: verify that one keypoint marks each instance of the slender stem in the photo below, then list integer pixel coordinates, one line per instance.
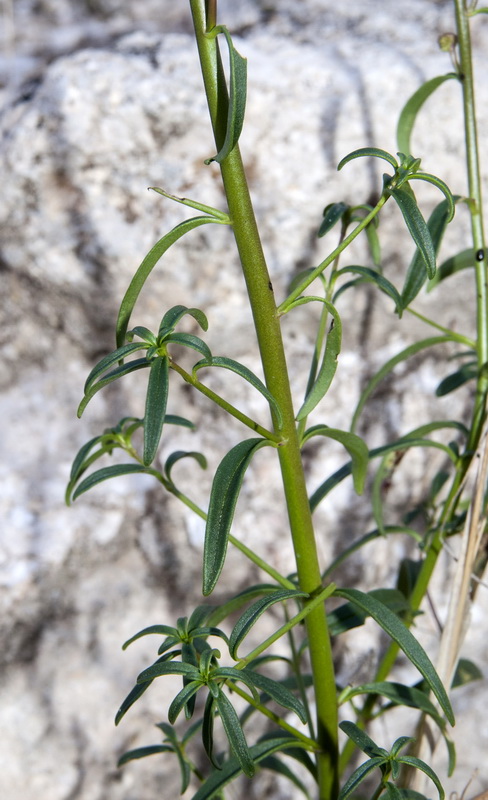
(285, 305)
(289, 624)
(458, 337)
(476, 211)
(266, 320)
(273, 437)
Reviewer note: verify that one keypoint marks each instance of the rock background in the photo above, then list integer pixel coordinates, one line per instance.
(101, 99)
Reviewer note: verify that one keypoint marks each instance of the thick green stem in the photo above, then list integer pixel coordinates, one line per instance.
(266, 320)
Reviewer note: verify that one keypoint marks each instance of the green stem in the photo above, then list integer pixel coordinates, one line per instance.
(218, 400)
(458, 337)
(307, 609)
(476, 212)
(285, 305)
(268, 332)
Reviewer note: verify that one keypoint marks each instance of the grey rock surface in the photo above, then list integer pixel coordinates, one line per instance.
(101, 100)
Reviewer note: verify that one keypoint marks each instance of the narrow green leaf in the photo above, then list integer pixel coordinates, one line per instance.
(231, 768)
(362, 740)
(235, 734)
(369, 151)
(462, 260)
(275, 764)
(411, 350)
(146, 267)
(277, 692)
(81, 455)
(143, 333)
(393, 626)
(158, 630)
(119, 372)
(416, 763)
(372, 276)
(354, 445)
(466, 671)
(142, 752)
(254, 612)
(409, 440)
(135, 693)
(457, 379)
(444, 188)
(213, 212)
(359, 775)
(174, 419)
(169, 668)
(332, 214)
(329, 362)
(138, 690)
(248, 375)
(235, 603)
(223, 499)
(349, 616)
(182, 698)
(156, 400)
(413, 106)
(109, 360)
(394, 793)
(208, 729)
(399, 695)
(189, 340)
(373, 241)
(475, 11)
(237, 97)
(173, 316)
(416, 225)
(417, 272)
(178, 455)
(114, 471)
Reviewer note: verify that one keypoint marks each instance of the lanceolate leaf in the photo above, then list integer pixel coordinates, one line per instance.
(369, 151)
(467, 373)
(248, 375)
(355, 446)
(119, 372)
(147, 266)
(416, 225)
(329, 361)
(110, 360)
(142, 752)
(235, 734)
(416, 763)
(173, 316)
(252, 614)
(223, 498)
(114, 471)
(279, 693)
(178, 455)
(462, 260)
(373, 276)
(235, 603)
(413, 106)
(359, 775)
(169, 668)
(276, 765)
(413, 439)
(399, 694)
(189, 340)
(237, 98)
(231, 768)
(362, 740)
(156, 399)
(411, 350)
(393, 626)
(417, 272)
(332, 213)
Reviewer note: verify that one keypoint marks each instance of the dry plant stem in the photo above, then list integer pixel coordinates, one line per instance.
(479, 411)
(266, 320)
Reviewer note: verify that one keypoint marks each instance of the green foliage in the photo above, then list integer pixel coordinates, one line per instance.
(216, 684)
